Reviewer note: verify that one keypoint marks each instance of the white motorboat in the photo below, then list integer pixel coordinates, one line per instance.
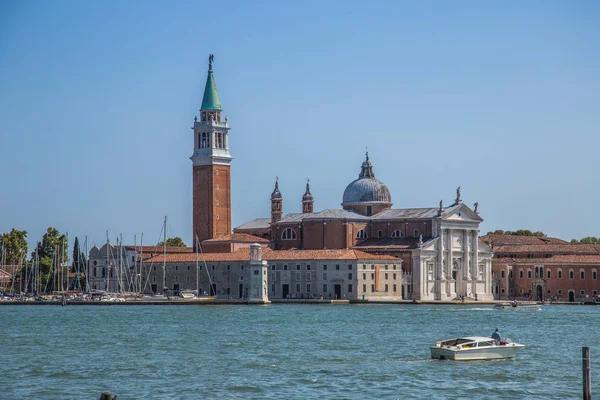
(526, 305)
(474, 348)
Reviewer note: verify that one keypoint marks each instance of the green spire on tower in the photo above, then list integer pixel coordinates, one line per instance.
(210, 101)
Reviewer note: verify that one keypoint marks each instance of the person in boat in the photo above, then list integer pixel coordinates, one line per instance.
(496, 336)
(514, 302)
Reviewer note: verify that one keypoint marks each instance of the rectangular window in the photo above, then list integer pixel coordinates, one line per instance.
(372, 276)
(297, 288)
(308, 287)
(510, 274)
(379, 234)
(559, 274)
(325, 288)
(386, 276)
(349, 288)
(273, 288)
(308, 267)
(285, 267)
(325, 267)
(394, 287)
(364, 288)
(416, 233)
(337, 267)
(594, 275)
(273, 275)
(350, 275)
(502, 273)
(272, 267)
(582, 274)
(571, 274)
(350, 267)
(529, 274)
(394, 276)
(298, 276)
(256, 272)
(364, 276)
(529, 255)
(386, 287)
(521, 274)
(298, 267)
(372, 288)
(548, 274)
(324, 275)
(308, 276)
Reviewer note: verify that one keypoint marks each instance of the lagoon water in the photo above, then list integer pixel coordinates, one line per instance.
(288, 351)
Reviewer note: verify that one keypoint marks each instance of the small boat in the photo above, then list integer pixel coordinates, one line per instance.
(474, 348)
(532, 305)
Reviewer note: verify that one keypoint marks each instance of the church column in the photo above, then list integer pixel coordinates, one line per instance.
(440, 265)
(449, 284)
(476, 255)
(465, 272)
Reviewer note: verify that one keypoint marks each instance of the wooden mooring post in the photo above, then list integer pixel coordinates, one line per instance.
(587, 373)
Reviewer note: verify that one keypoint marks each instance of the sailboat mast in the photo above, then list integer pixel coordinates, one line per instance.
(107, 261)
(165, 255)
(87, 267)
(141, 261)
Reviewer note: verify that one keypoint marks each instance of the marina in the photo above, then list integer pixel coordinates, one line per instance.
(288, 351)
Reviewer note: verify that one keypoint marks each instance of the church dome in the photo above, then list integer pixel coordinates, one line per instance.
(366, 189)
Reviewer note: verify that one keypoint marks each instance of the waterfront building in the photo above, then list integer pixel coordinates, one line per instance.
(442, 256)
(526, 267)
(286, 274)
(115, 268)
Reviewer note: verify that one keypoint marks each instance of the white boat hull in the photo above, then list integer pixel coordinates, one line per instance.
(477, 353)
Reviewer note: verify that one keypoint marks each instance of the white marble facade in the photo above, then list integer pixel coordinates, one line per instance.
(444, 267)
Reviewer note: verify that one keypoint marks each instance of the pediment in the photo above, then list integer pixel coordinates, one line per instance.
(460, 212)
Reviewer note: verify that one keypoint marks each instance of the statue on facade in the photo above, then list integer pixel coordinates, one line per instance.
(211, 58)
(476, 206)
(420, 240)
(440, 209)
(458, 200)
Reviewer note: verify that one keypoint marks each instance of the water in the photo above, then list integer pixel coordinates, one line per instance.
(288, 351)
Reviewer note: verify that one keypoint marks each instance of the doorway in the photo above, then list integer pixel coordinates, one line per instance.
(539, 293)
(337, 289)
(154, 288)
(213, 289)
(285, 290)
(571, 297)
(241, 291)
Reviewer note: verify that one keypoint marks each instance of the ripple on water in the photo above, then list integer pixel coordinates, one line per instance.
(286, 351)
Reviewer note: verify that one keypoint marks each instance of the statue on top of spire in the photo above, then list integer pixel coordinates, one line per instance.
(458, 200)
(211, 58)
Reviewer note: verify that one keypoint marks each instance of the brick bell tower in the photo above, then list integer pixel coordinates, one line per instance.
(211, 167)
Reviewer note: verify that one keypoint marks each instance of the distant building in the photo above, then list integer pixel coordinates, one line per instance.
(526, 267)
(442, 256)
(331, 274)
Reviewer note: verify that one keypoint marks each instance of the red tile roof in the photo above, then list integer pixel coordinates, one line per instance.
(499, 240)
(272, 255)
(549, 249)
(237, 238)
(556, 259)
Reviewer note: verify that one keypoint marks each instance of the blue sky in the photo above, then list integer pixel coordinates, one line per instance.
(97, 100)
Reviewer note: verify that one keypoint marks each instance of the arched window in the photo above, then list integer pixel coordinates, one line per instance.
(581, 274)
(361, 234)
(571, 274)
(528, 273)
(548, 274)
(559, 273)
(594, 274)
(288, 234)
(397, 233)
(520, 273)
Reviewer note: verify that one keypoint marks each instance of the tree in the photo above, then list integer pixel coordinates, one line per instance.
(520, 232)
(175, 242)
(586, 240)
(50, 249)
(13, 246)
(78, 266)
